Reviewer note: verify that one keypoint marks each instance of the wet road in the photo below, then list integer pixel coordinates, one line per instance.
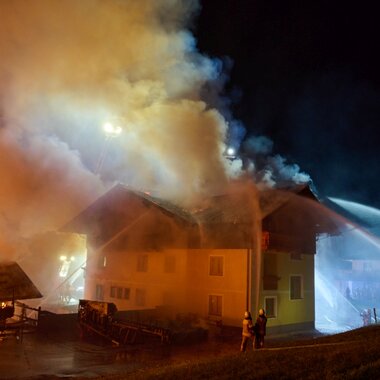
(39, 357)
(46, 357)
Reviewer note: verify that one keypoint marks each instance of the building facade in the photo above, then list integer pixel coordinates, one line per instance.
(240, 251)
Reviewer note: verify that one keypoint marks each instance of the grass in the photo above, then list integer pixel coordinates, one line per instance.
(353, 355)
(349, 356)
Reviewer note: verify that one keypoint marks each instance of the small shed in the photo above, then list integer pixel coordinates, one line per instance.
(15, 284)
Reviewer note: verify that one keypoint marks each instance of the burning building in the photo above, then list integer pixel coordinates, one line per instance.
(231, 252)
(234, 252)
(175, 129)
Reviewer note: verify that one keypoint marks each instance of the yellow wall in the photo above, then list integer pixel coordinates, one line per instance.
(231, 286)
(185, 290)
(121, 271)
(189, 287)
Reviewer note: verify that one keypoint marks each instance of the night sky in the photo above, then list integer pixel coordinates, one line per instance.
(305, 75)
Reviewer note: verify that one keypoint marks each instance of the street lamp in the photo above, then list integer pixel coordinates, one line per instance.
(111, 130)
(230, 153)
(65, 266)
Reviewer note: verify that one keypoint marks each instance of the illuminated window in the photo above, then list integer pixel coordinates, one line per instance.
(170, 264)
(296, 290)
(270, 306)
(140, 297)
(127, 293)
(142, 263)
(216, 265)
(99, 292)
(215, 305)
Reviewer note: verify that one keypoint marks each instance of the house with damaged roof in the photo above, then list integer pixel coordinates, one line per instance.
(238, 251)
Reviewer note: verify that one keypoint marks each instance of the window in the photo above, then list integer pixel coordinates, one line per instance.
(119, 292)
(296, 287)
(215, 305)
(169, 264)
(142, 263)
(264, 241)
(270, 306)
(140, 297)
(113, 291)
(216, 265)
(127, 293)
(99, 292)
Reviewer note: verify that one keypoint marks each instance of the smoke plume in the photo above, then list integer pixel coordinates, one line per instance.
(269, 169)
(67, 67)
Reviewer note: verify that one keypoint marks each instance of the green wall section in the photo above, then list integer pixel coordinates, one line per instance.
(289, 311)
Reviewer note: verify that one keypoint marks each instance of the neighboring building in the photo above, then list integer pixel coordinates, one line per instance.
(53, 261)
(236, 252)
(348, 266)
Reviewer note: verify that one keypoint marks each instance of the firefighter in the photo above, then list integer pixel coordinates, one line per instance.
(260, 329)
(247, 331)
(366, 315)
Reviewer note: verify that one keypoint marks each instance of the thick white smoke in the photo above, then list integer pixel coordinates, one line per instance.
(68, 66)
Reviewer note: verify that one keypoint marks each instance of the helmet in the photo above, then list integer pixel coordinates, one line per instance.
(261, 312)
(247, 314)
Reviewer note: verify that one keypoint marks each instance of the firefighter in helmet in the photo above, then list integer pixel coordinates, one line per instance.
(260, 329)
(247, 331)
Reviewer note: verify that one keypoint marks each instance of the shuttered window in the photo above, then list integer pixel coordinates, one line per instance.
(142, 263)
(99, 292)
(296, 287)
(216, 265)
